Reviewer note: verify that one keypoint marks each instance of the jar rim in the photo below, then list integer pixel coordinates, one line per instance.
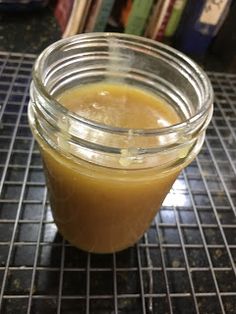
(184, 61)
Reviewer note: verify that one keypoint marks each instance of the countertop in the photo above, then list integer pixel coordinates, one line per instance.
(28, 32)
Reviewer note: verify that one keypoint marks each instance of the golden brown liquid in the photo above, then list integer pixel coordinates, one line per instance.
(100, 209)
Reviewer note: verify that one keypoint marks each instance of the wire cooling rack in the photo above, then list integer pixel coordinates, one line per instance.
(184, 264)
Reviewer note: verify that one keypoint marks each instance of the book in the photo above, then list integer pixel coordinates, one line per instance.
(99, 15)
(200, 23)
(85, 16)
(93, 14)
(224, 44)
(175, 17)
(103, 15)
(125, 12)
(62, 12)
(163, 19)
(76, 18)
(150, 28)
(138, 17)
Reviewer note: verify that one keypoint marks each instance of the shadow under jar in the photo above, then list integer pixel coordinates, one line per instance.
(107, 182)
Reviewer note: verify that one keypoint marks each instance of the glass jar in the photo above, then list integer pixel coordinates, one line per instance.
(106, 183)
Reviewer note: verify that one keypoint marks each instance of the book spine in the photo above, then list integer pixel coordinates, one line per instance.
(198, 29)
(76, 16)
(138, 17)
(71, 25)
(224, 45)
(175, 17)
(213, 14)
(163, 19)
(103, 15)
(62, 12)
(96, 6)
(151, 25)
(125, 12)
(85, 16)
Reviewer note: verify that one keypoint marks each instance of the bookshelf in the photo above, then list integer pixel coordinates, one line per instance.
(38, 28)
(190, 26)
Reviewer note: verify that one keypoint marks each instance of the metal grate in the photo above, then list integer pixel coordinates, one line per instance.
(184, 264)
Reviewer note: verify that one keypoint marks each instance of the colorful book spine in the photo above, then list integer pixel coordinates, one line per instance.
(201, 21)
(103, 15)
(125, 12)
(151, 25)
(224, 45)
(76, 17)
(175, 17)
(85, 16)
(213, 14)
(62, 12)
(138, 17)
(163, 19)
(93, 14)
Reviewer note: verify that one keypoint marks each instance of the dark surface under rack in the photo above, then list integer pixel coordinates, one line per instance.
(185, 263)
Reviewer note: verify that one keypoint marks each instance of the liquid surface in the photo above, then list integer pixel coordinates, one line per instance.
(101, 209)
(119, 106)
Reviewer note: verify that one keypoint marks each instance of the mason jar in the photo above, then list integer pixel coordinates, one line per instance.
(107, 183)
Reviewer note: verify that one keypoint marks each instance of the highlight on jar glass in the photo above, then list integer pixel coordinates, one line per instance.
(116, 117)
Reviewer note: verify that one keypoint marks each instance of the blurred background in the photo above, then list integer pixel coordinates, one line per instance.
(203, 29)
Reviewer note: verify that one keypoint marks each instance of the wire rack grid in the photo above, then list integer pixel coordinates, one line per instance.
(185, 263)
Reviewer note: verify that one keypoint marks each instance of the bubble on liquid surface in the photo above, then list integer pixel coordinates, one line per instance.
(97, 106)
(104, 93)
